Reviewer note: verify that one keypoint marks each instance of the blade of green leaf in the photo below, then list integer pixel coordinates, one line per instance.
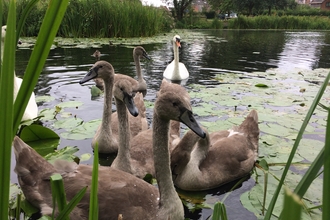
(292, 206)
(23, 17)
(6, 110)
(48, 30)
(219, 212)
(58, 192)
(295, 146)
(93, 204)
(326, 174)
(310, 175)
(70, 206)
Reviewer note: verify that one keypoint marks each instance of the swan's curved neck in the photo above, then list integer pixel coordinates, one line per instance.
(107, 107)
(138, 68)
(168, 195)
(176, 71)
(122, 161)
(176, 53)
(200, 151)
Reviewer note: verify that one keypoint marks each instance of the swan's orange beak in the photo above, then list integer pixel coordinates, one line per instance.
(178, 44)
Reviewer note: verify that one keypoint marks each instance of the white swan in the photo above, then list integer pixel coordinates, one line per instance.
(176, 71)
(221, 157)
(119, 193)
(31, 110)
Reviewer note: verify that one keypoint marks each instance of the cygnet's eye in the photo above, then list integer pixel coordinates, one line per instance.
(121, 88)
(175, 104)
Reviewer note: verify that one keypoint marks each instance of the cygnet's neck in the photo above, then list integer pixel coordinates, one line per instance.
(168, 195)
(122, 161)
(107, 107)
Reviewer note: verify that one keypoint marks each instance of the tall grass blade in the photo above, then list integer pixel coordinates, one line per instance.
(295, 146)
(18, 207)
(93, 204)
(6, 109)
(292, 206)
(58, 192)
(70, 206)
(48, 30)
(23, 17)
(326, 174)
(310, 175)
(219, 212)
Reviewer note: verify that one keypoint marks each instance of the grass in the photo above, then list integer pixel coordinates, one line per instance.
(280, 22)
(102, 18)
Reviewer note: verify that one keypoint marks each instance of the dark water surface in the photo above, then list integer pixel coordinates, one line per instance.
(216, 52)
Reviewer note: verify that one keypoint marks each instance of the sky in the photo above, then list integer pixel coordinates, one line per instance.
(155, 3)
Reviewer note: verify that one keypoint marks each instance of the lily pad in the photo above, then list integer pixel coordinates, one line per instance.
(66, 153)
(83, 131)
(70, 104)
(68, 123)
(45, 98)
(40, 138)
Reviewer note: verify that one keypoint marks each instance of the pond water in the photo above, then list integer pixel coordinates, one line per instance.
(206, 54)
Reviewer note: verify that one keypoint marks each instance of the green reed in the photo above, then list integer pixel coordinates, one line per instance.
(100, 18)
(280, 22)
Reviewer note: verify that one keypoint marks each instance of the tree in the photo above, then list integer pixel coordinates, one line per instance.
(180, 7)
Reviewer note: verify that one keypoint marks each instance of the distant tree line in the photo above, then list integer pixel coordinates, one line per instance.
(247, 7)
(251, 7)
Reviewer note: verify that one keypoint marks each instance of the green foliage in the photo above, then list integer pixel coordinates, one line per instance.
(326, 183)
(219, 212)
(59, 197)
(292, 206)
(10, 115)
(6, 111)
(102, 18)
(93, 200)
(216, 24)
(280, 22)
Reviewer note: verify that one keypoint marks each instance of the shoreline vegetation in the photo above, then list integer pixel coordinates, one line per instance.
(125, 19)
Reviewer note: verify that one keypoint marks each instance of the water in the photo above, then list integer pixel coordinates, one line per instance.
(211, 53)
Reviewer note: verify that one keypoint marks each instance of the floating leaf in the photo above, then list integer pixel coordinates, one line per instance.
(66, 153)
(70, 104)
(40, 138)
(83, 131)
(45, 98)
(67, 123)
(85, 157)
(261, 85)
(95, 91)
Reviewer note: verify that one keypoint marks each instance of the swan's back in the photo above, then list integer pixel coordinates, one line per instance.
(118, 192)
(226, 156)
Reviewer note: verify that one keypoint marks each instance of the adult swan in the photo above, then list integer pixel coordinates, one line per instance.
(176, 71)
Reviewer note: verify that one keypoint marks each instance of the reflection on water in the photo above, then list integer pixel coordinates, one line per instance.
(302, 50)
(213, 52)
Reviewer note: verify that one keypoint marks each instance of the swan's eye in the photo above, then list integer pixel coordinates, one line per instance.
(100, 66)
(121, 88)
(175, 104)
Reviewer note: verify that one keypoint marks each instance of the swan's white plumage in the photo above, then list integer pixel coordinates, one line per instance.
(31, 110)
(176, 70)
